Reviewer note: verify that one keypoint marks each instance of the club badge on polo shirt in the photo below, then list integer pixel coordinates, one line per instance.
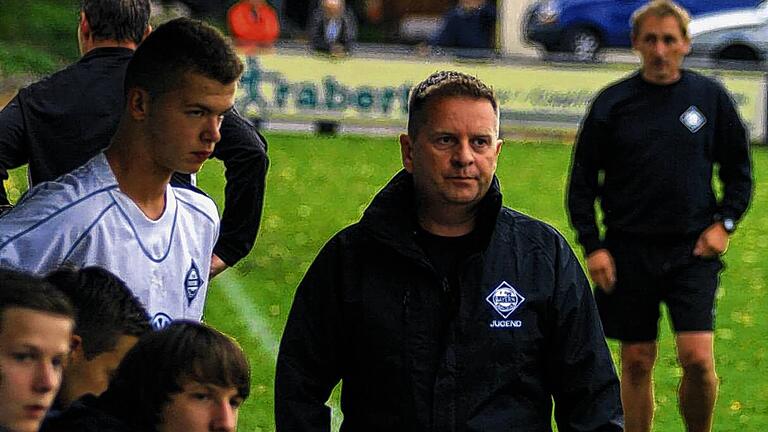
(505, 299)
(192, 282)
(693, 119)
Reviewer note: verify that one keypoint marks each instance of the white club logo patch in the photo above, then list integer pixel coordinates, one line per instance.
(505, 299)
(693, 119)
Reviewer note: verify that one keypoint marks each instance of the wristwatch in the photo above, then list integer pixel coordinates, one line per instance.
(728, 223)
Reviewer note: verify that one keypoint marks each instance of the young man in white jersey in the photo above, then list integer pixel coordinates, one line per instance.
(118, 211)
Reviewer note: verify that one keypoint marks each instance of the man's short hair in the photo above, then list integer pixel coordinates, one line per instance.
(119, 20)
(161, 362)
(105, 308)
(661, 9)
(179, 46)
(445, 84)
(21, 290)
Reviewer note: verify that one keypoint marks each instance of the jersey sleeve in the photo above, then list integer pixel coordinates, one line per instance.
(733, 156)
(585, 386)
(34, 240)
(583, 184)
(244, 153)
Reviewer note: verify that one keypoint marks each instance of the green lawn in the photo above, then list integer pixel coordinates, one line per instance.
(318, 185)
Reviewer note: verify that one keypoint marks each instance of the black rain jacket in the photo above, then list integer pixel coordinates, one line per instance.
(367, 314)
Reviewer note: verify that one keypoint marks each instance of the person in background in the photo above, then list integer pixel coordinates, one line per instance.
(36, 322)
(647, 151)
(332, 28)
(108, 322)
(187, 377)
(470, 25)
(253, 23)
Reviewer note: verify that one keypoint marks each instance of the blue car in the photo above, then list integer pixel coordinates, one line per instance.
(583, 27)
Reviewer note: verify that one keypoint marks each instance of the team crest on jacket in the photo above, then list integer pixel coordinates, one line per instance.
(505, 299)
(192, 282)
(693, 119)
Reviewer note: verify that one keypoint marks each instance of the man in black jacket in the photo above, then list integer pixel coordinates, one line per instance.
(442, 310)
(57, 124)
(654, 138)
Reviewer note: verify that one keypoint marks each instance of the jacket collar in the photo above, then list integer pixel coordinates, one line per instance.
(391, 216)
(107, 52)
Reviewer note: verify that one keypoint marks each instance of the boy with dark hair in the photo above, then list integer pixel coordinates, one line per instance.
(119, 211)
(109, 322)
(36, 324)
(187, 377)
(62, 121)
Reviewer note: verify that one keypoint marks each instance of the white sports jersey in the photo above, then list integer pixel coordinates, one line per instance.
(83, 219)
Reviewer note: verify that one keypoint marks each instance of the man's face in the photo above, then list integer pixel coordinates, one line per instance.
(201, 408)
(33, 348)
(333, 8)
(183, 123)
(453, 157)
(84, 376)
(662, 47)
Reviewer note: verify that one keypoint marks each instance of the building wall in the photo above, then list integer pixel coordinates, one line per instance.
(511, 15)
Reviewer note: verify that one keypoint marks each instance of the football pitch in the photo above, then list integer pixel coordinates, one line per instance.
(318, 185)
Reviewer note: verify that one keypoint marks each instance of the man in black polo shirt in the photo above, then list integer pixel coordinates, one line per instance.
(57, 124)
(646, 151)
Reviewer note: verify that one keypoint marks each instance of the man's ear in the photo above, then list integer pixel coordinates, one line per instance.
(406, 151)
(137, 103)
(76, 344)
(84, 35)
(85, 26)
(147, 32)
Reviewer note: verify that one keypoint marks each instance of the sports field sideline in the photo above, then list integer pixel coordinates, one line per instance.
(318, 185)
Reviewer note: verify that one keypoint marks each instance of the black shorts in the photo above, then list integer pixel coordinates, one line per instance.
(649, 272)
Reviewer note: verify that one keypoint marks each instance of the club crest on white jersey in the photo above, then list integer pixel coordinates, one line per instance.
(192, 282)
(693, 119)
(505, 299)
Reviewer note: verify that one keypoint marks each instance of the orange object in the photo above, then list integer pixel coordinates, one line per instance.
(253, 24)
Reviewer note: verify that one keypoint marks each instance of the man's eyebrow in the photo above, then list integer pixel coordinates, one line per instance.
(208, 109)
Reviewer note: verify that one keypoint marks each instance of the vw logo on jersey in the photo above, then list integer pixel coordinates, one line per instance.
(192, 282)
(161, 321)
(505, 299)
(693, 119)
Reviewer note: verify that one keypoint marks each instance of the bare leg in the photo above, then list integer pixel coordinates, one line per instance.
(637, 361)
(698, 388)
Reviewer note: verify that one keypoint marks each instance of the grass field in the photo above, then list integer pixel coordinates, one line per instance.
(318, 185)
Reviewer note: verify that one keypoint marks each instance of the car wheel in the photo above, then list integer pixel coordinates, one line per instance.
(737, 52)
(584, 44)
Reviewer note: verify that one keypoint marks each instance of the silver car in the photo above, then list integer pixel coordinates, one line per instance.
(736, 35)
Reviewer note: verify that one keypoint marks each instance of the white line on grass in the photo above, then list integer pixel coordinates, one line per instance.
(257, 326)
(247, 312)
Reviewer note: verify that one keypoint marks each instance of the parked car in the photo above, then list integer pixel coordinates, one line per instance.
(584, 27)
(736, 35)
